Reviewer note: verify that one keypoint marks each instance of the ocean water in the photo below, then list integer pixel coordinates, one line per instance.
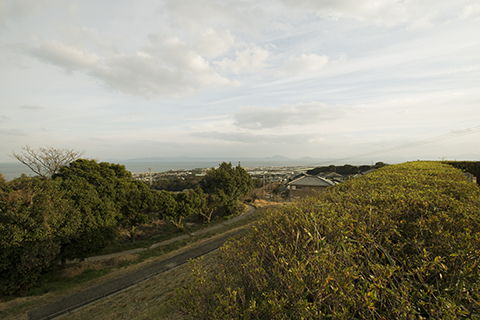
(14, 170)
(161, 166)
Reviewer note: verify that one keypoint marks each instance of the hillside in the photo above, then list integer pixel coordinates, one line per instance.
(402, 242)
(86, 275)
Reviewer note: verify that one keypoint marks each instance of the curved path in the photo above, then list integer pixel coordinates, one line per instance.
(251, 210)
(90, 295)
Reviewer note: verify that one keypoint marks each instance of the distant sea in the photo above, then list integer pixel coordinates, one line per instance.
(14, 170)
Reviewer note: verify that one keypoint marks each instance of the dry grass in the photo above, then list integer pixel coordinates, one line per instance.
(16, 309)
(148, 300)
(263, 205)
(78, 269)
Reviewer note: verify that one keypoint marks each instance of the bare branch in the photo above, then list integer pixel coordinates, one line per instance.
(46, 161)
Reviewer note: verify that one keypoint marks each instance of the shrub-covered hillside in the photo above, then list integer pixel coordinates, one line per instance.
(400, 243)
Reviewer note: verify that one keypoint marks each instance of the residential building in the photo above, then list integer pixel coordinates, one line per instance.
(308, 185)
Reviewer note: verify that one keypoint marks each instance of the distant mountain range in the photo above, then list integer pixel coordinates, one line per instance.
(276, 158)
(301, 161)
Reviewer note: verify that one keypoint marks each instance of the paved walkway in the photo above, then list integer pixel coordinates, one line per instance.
(80, 299)
(250, 211)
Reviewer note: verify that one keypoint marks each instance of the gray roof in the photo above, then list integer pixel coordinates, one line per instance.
(330, 175)
(364, 173)
(314, 181)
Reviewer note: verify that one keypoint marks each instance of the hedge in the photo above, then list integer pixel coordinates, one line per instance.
(402, 242)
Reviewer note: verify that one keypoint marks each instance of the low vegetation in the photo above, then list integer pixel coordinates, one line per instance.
(59, 283)
(465, 166)
(77, 210)
(402, 242)
(346, 169)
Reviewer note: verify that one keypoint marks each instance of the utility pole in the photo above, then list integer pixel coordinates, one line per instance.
(150, 169)
(263, 185)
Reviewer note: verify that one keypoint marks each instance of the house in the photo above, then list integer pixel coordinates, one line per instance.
(333, 176)
(364, 173)
(308, 185)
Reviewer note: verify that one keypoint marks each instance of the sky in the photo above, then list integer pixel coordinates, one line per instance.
(118, 79)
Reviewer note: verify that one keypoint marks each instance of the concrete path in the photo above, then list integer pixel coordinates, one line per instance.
(80, 299)
(250, 211)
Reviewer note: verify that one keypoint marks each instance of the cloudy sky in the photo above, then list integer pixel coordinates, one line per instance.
(221, 78)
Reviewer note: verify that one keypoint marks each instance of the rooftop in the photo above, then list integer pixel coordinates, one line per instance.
(309, 180)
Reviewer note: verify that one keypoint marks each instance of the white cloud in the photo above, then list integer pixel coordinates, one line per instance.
(381, 12)
(250, 138)
(65, 56)
(283, 52)
(30, 107)
(277, 25)
(166, 66)
(244, 16)
(19, 9)
(305, 63)
(212, 44)
(471, 11)
(255, 117)
(142, 74)
(84, 35)
(252, 59)
(13, 132)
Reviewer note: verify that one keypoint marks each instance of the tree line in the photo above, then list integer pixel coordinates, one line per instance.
(80, 208)
(345, 169)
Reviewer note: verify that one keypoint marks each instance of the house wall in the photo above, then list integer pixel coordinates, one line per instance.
(305, 191)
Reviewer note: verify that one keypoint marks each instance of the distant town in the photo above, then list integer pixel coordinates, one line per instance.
(270, 174)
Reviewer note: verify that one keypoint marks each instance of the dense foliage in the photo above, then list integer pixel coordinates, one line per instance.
(400, 243)
(83, 206)
(177, 184)
(35, 219)
(228, 183)
(345, 169)
(465, 166)
(106, 197)
(73, 215)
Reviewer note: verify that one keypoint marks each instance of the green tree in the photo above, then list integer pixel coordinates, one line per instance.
(99, 218)
(35, 219)
(105, 195)
(183, 209)
(174, 183)
(168, 208)
(139, 202)
(113, 182)
(205, 204)
(228, 183)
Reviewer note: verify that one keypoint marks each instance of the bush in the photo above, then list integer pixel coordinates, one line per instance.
(465, 166)
(34, 221)
(400, 243)
(228, 183)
